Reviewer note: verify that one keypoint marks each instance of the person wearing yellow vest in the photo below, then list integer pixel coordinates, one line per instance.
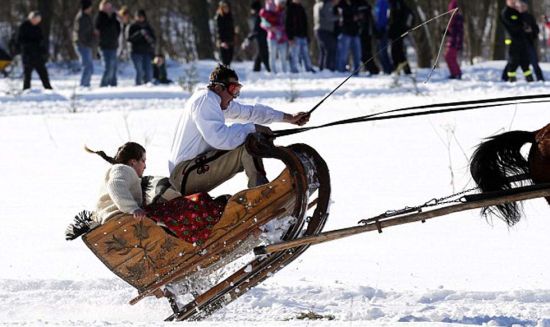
(517, 42)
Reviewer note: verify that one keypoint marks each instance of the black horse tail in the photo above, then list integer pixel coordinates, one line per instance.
(495, 160)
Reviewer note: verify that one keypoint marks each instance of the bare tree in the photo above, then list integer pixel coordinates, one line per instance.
(200, 17)
(498, 48)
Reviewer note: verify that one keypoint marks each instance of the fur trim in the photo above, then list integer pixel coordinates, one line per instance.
(146, 186)
(83, 223)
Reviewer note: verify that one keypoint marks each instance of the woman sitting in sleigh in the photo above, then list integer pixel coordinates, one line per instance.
(125, 191)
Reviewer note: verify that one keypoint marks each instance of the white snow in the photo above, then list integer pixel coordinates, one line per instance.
(454, 270)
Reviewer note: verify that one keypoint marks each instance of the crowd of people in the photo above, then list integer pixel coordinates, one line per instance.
(344, 30)
(115, 35)
(347, 33)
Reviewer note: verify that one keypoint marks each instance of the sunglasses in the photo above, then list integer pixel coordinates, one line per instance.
(234, 88)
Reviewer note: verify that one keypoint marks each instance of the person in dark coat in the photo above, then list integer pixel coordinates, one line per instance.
(366, 29)
(401, 19)
(296, 31)
(455, 38)
(348, 39)
(108, 27)
(259, 35)
(84, 39)
(518, 56)
(531, 29)
(34, 50)
(225, 31)
(142, 40)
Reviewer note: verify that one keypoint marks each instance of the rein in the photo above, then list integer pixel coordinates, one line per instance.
(444, 108)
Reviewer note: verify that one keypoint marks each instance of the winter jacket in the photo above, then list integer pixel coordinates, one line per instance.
(323, 16)
(366, 21)
(529, 21)
(511, 19)
(83, 32)
(401, 19)
(348, 17)
(142, 38)
(256, 30)
(109, 30)
(202, 126)
(273, 23)
(120, 193)
(32, 42)
(225, 28)
(160, 74)
(381, 9)
(455, 34)
(295, 21)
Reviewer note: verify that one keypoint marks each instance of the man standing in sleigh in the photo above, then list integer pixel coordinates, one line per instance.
(206, 151)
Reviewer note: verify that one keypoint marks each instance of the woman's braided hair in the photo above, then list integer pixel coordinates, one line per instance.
(125, 153)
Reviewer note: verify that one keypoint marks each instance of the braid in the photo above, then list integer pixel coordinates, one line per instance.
(126, 152)
(102, 154)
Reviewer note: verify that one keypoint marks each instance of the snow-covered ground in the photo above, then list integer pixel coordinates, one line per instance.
(454, 270)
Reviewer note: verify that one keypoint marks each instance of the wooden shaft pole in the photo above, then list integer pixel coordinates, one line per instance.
(345, 232)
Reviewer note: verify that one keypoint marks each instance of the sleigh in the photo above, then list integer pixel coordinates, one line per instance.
(156, 262)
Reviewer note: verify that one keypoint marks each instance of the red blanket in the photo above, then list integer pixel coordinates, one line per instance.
(191, 218)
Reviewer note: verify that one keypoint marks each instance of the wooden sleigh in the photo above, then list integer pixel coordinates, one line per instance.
(147, 257)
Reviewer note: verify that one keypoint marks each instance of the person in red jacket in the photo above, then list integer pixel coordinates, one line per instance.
(455, 37)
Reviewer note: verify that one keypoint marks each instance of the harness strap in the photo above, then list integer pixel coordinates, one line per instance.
(201, 165)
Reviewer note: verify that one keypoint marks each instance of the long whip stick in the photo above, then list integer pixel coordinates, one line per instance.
(356, 71)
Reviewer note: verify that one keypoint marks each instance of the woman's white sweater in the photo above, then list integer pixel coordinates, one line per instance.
(120, 193)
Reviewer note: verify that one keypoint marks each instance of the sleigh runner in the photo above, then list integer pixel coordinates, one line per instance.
(148, 257)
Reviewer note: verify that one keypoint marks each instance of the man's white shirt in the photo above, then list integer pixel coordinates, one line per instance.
(202, 126)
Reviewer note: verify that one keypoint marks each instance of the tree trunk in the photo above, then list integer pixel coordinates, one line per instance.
(200, 16)
(421, 37)
(499, 48)
(46, 8)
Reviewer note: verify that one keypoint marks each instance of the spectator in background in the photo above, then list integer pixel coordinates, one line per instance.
(455, 37)
(348, 12)
(142, 40)
(34, 50)
(109, 30)
(273, 22)
(125, 20)
(296, 30)
(532, 31)
(260, 36)
(160, 75)
(381, 14)
(366, 28)
(225, 31)
(517, 42)
(323, 25)
(84, 39)
(401, 19)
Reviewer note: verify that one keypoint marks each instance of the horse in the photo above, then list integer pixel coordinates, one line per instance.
(498, 158)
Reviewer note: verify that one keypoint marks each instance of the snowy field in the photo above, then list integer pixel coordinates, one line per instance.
(450, 271)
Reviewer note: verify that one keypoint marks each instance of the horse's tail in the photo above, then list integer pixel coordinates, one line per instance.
(493, 162)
